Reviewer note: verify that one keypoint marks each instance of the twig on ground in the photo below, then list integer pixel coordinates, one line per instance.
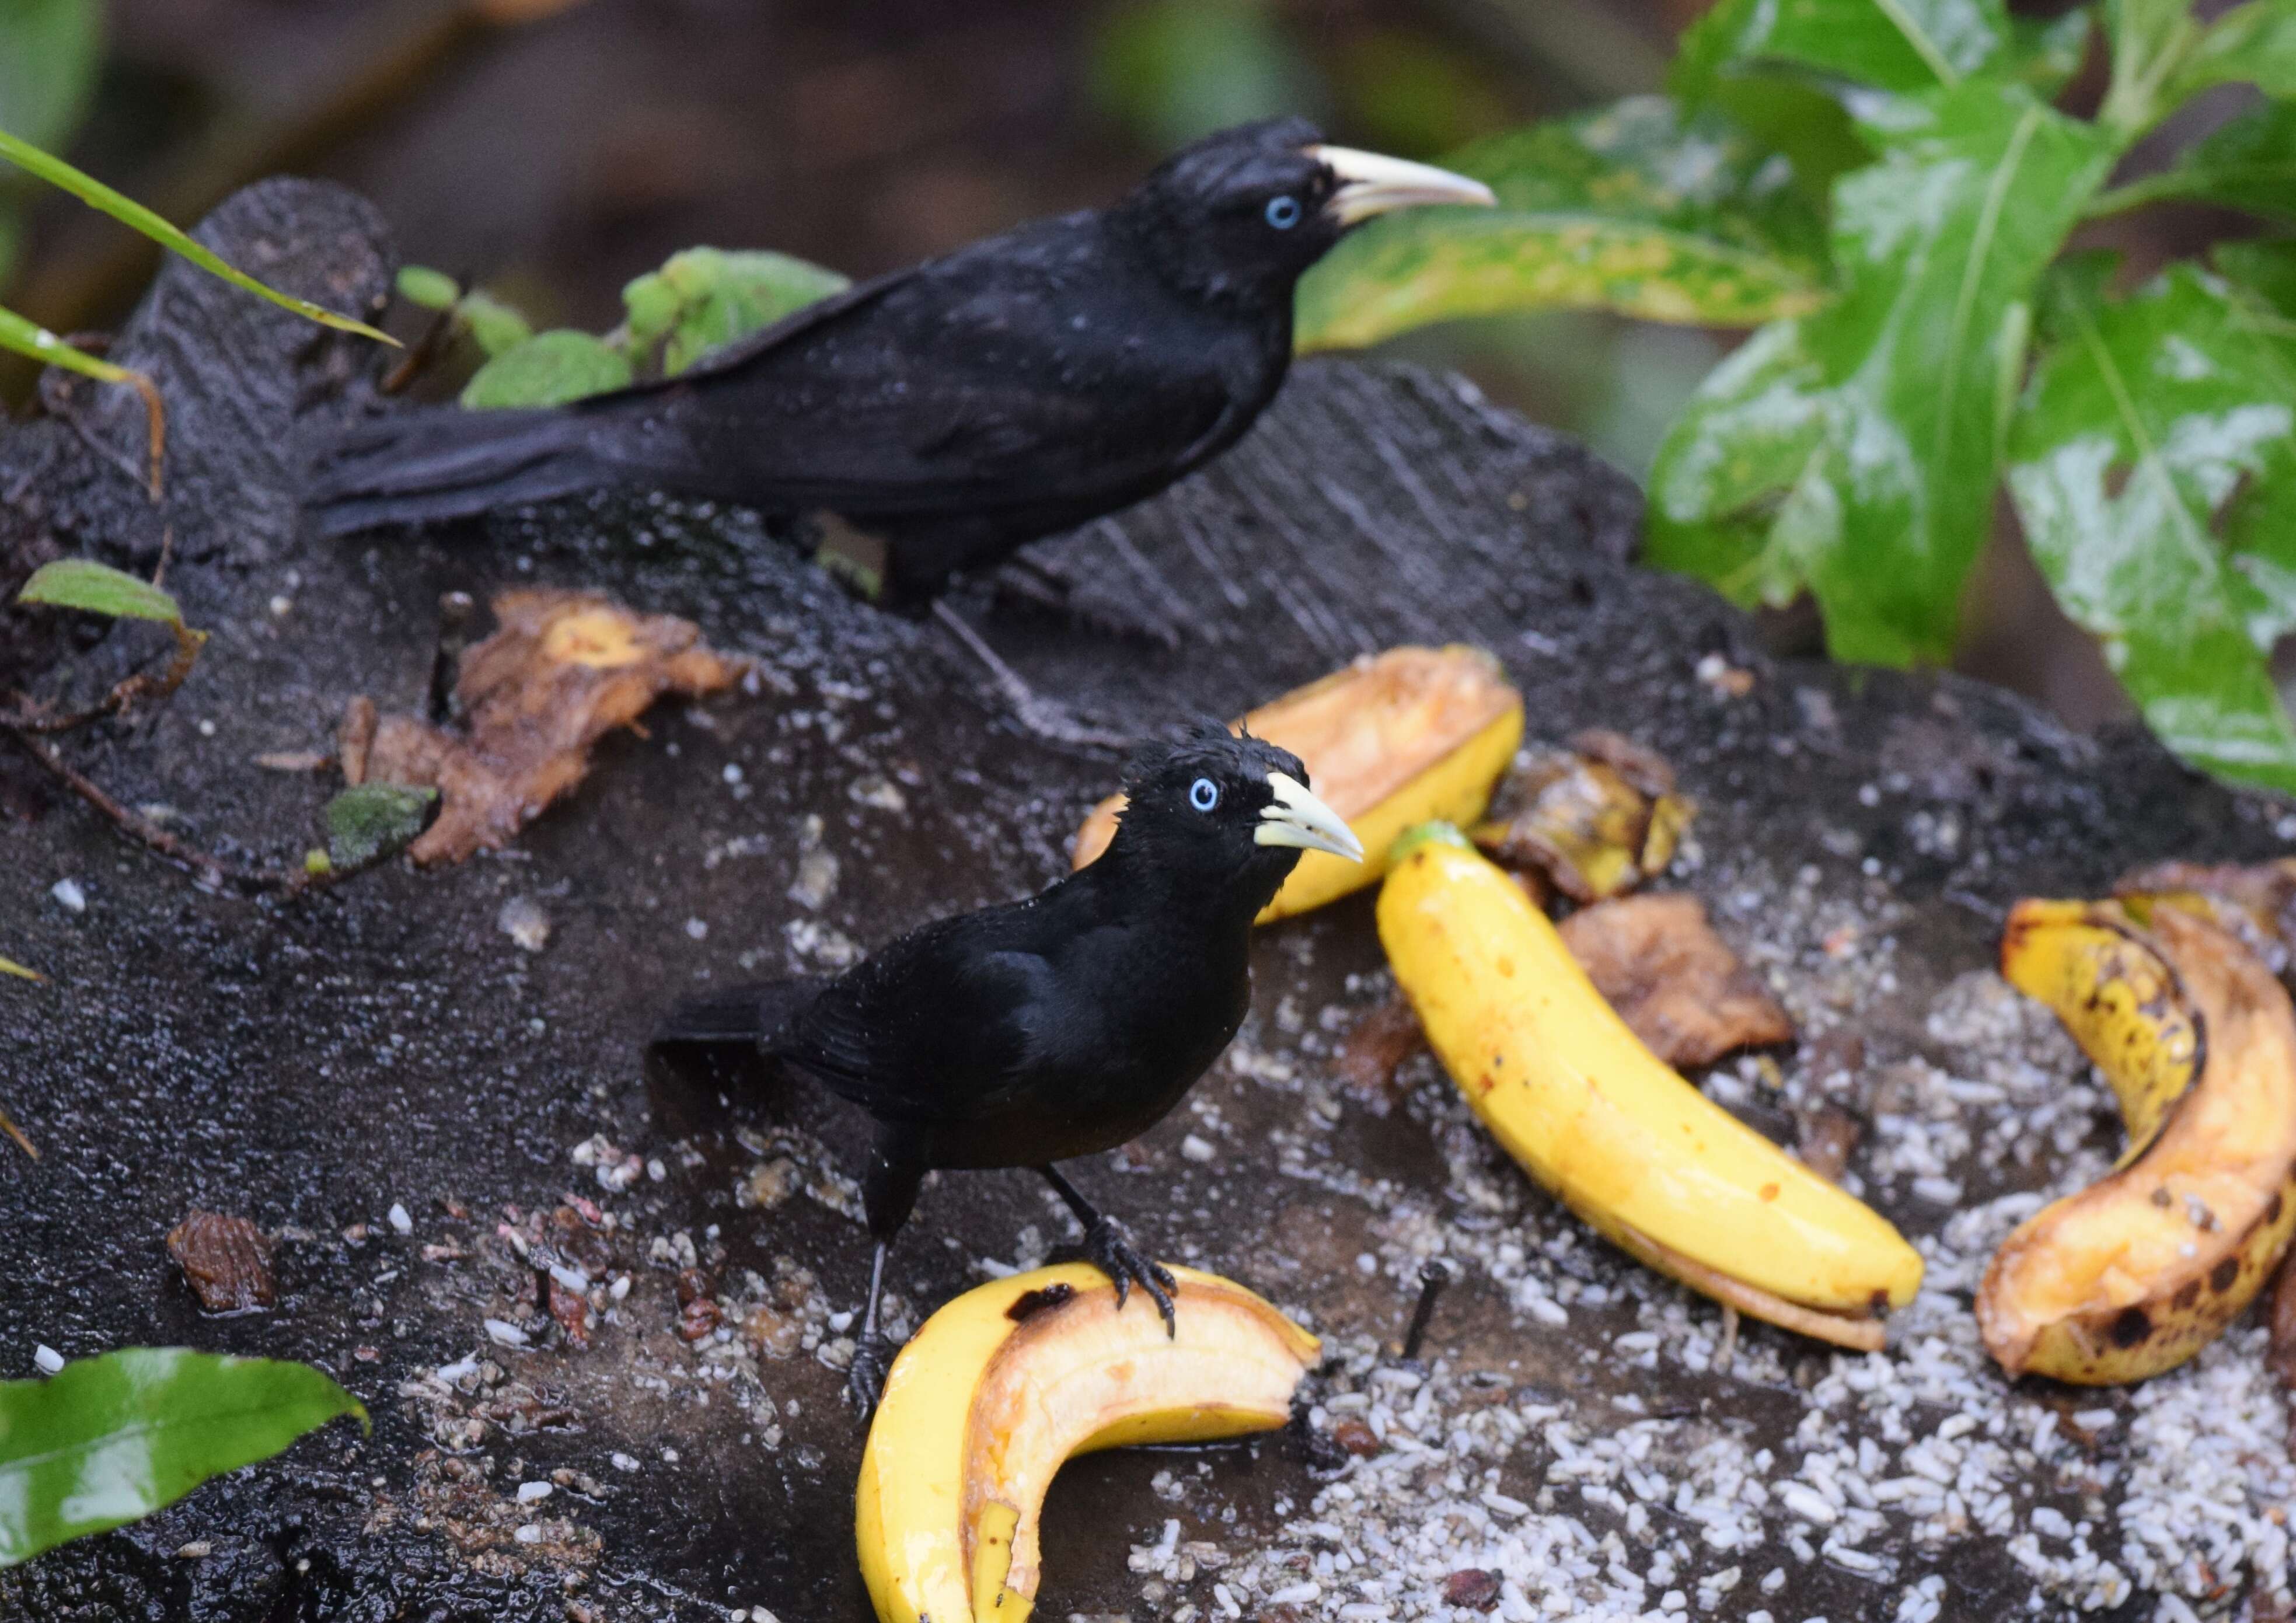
(17, 1133)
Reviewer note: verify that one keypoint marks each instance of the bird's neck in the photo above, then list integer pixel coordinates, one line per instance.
(1193, 904)
(1147, 230)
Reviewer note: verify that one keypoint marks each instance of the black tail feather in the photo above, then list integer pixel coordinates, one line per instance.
(723, 1035)
(446, 462)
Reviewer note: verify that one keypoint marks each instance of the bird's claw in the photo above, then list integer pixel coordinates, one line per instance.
(865, 1377)
(1107, 1248)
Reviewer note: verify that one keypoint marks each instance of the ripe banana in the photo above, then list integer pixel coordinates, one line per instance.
(1009, 1380)
(1596, 1117)
(1389, 741)
(2139, 1271)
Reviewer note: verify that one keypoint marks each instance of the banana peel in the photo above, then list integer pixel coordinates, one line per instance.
(1620, 1137)
(2136, 1273)
(1390, 740)
(1009, 1380)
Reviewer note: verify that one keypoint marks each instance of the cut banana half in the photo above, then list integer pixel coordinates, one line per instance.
(1390, 740)
(2139, 1271)
(1625, 1142)
(1008, 1380)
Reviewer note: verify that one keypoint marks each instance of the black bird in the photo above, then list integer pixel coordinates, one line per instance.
(1060, 1026)
(1016, 386)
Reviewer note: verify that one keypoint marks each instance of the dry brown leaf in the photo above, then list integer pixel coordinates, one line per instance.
(1660, 965)
(1374, 1050)
(1597, 818)
(562, 669)
(1824, 1137)
(226, 1261)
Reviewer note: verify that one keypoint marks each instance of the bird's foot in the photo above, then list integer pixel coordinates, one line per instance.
(1107, 1248)
(865, 1377)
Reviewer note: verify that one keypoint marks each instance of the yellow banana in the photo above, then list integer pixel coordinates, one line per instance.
(1009, 1380)
(2136, 1273)
(1390, 742)
(1596, 1117)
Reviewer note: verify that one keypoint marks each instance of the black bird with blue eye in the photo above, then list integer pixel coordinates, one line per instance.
(1041, 1031)
(1021, 385)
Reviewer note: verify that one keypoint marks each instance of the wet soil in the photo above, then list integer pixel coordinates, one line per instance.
(310, 1063)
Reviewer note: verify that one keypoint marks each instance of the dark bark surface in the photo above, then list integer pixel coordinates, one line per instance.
(308, 1062)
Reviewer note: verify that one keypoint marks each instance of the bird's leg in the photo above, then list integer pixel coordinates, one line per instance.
(1107, 1248)
(1040, 715)
(873, 1359)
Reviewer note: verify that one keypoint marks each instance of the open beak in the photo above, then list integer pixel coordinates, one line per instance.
(1371, 183)
(1296, 817)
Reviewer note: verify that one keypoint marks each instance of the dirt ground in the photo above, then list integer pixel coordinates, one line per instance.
(329, 1064)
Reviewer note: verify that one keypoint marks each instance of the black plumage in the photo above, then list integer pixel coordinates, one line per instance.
(1014, 387)
(1060, 1026)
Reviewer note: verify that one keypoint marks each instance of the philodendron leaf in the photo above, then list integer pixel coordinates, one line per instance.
(1854, 451)
(2256, 42)
(374, 819)
(82, 583)
(1889, 44)
(548, 369)
(1626, 208)
(706, 298)
(2250, 163)
(2153, 463)
(107, 1441)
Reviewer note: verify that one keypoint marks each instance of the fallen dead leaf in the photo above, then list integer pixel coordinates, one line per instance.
(562, 669)
(1374, 1050)
(1596, 819)
(1824, 1137)
(226, 1261)
(1670, 977)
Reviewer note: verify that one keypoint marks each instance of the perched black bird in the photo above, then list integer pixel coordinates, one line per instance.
(1020, 386)
(1060, 1026)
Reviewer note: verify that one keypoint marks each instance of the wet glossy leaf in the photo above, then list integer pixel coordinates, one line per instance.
(547, 369)
(427, 289)
(1889, 44)
(107, 1441)
(1626, 208)
(81, 583)
(2250, 163)
(2256, 42)
(708, 297)
(130, 212)
(49, 54)
(1854, 451)
(2153, 463)
(374, 820)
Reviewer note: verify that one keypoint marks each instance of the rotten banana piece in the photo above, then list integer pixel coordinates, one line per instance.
(2134, 1275)
(1620, 1136)
(1392, 740)
(1011, 1379)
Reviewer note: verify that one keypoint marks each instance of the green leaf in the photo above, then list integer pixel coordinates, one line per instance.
(2265, 266)
(107, 1441)
(2150, 39)
(2249, 163)
(1854, 450)
(97, 195)
(1173, 70)
(49, 54)
(494, 327)
(2255, 43)
(427, 289)
(2048, 49)
(548, 369)
(706, 298)
(9, 966)
(2153, 463)
(374, 820)
(1889, 44)
(81, 583)
(1626, 209)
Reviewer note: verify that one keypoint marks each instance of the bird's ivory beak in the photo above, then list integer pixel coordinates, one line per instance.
(1296, 817)
(1371, 183)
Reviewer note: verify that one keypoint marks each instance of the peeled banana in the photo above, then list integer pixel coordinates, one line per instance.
(1390, 740)
(1596, 1117)
(2136, 1273)
(1009, 1380)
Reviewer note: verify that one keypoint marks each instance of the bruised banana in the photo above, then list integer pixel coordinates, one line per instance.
(1644, 1157)
(2139, 1271)
(1009, 1380)
(1390, 740)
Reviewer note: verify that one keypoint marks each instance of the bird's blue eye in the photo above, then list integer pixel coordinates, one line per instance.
(1203, 794)
(1284, 212)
